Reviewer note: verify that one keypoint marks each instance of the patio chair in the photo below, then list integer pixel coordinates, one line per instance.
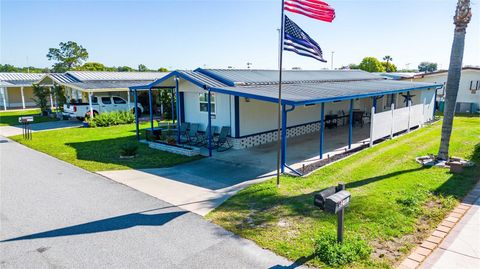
(192, 134)
(220, 142)
(358, 118)
(184, 131)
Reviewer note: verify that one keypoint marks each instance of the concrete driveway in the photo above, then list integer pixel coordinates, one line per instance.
(203, 185)
(54, 214)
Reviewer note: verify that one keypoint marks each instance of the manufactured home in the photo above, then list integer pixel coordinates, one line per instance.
(312, 101)
(16, 91)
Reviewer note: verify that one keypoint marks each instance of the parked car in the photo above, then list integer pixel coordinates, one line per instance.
(100, 104)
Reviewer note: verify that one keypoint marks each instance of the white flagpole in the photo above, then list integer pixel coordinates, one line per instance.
(280, 58)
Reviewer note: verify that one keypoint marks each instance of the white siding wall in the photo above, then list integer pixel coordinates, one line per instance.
(257, 116)
(224, 106)
(464, 93)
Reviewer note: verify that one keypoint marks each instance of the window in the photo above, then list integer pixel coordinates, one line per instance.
(203, 98)
(106, 100)
(474, 86)
(118, 101)
(94, 100)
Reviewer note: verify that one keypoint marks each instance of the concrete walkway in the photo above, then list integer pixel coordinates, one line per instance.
(7, 131)
(461, 247)
(56, 215)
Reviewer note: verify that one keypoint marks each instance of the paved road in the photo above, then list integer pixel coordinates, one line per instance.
(56, 215)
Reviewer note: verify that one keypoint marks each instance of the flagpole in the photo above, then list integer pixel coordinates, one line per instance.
(280, 62)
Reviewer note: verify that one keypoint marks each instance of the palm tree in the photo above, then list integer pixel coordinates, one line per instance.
(388, 58)
(461, 19)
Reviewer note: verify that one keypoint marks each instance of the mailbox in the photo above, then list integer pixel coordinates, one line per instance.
(334, 200)
(337, 202)
(321, 197)
(25, 119)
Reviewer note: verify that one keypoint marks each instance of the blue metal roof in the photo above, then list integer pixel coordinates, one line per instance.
(299, 87)
(235, 77)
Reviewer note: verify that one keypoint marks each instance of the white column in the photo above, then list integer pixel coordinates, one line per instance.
(4, 97)
(392, 107)
(23, 97)
(409, 112)
(90, 104)
(372, 121)
(128, 100)
(51, 99)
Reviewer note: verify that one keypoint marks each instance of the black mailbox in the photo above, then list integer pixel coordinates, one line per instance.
(321, 197)
(337, 202)
(334, 200)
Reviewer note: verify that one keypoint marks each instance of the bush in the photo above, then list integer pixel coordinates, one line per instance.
(129, 149)
(41, 94)
(334, 254)
(111, 118)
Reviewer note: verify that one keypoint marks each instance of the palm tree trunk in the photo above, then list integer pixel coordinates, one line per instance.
(461, 20)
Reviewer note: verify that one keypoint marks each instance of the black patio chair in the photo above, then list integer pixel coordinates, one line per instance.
(220, 141)
(358, 118)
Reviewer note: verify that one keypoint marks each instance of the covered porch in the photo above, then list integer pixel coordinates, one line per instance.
(311, 141)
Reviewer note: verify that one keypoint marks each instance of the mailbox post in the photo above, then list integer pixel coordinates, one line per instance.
(27, 131)
(334, 200)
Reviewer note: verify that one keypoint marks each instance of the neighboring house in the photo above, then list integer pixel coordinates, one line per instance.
(246, 101)
(79, 84)
(468, 99)
(16, 90)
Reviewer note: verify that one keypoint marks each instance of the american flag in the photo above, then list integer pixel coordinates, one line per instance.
(296, 40)
(314, 9)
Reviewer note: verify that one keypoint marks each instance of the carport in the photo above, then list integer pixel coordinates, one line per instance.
(307, 91)
(78, 83)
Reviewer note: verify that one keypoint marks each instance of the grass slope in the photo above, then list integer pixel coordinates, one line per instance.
(9, 118)
(98, 149)
(395, 202)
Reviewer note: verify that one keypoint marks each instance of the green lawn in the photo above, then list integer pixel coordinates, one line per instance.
(9, 118)
(98, 149)
(395, 202)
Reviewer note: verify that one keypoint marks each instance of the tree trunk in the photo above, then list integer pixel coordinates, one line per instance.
(461, 20)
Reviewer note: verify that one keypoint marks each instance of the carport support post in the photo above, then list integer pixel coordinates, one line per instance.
(128, 100)
(177, 103)
(150, 105)
(173, 111)
(23, 97)
(284, 138)
(51, 99)
(392, 107)
(322, 123)
(90, 104)
(135, 99)
(372, 120)
(350, 125)
(209, 127)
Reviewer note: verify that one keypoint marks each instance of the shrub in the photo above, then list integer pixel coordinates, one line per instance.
(111, 118)
(334, 254)
(41, 94)
(129, 149)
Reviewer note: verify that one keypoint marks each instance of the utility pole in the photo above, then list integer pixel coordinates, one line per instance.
(332, 59)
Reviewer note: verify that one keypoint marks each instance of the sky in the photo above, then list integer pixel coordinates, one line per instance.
(186, 34)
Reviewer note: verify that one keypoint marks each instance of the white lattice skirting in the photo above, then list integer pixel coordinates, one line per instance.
(255, 140)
